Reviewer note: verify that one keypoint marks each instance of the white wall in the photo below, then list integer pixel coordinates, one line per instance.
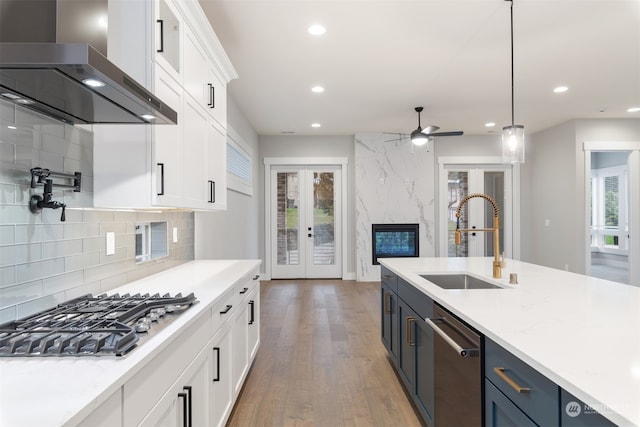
(553, 188)
(234, 233)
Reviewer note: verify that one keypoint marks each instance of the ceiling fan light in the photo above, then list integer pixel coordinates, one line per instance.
(418, 138)
(513, 144)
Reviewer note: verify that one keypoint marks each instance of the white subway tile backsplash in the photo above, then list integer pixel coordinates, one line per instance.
(39, 269)
(45, 261)
(26, 233)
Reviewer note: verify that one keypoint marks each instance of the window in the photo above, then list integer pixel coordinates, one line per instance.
(239, 164)
(609, 209)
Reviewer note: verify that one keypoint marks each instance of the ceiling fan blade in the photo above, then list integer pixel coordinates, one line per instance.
(430, 129)
(454, 133)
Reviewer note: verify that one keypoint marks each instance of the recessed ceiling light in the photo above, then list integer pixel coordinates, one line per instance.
(315, 125)
(633, 110)
(489, 124)
(317, 30)
(317, 89)
(93, 83)
(560, 89)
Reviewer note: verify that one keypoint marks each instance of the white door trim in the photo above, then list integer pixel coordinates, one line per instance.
(303, 161)
(634, 200)
(515, 194)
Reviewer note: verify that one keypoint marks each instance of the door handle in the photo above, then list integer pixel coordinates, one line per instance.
(252, 312)
(463, 352)
(187, 388)
(161, 22)
(387, 298)
(511, 382)
(217, 350)
(309, 235)
(410, 340)
(474, 227)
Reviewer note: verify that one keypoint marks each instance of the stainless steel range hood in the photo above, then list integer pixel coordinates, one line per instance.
(71, 82)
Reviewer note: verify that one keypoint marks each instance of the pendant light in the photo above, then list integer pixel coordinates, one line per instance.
(512, 136)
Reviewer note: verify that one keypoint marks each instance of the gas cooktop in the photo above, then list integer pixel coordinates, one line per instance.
(91, 326)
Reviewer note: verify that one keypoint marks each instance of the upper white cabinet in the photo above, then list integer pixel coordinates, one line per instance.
(170, 47)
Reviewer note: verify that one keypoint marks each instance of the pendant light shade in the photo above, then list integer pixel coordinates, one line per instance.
(513, 144)
(512, 136)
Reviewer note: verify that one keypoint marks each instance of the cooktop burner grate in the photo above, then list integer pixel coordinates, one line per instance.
(88, 325)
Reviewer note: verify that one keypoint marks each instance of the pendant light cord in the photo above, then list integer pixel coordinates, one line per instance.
(512, 83)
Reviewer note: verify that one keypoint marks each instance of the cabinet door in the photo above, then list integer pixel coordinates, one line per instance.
(196, 69)
(221, 397)
(168, 145)
(217, 167)
(195, 187)
(185, 403)
(253, 338)
(168, 37)
(424, 371)
(389, 320)
(500, 411)
(406, 346)
(239, 365)
(217, 98)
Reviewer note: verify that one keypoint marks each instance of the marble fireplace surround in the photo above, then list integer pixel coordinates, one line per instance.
(393, 186)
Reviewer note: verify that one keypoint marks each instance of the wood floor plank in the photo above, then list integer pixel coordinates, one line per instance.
(321, 361)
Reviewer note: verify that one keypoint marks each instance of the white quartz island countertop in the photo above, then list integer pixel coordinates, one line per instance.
(57, 391)
(580, 332)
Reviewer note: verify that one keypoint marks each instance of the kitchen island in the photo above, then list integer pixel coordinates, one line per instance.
(114, 390)
(580, 332)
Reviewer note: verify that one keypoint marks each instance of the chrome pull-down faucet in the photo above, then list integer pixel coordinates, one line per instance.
(497, 263)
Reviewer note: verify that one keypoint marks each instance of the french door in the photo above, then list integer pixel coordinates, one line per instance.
(458, 181)
(305, 212)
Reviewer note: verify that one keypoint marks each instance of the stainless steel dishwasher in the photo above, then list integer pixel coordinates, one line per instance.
(457, 366)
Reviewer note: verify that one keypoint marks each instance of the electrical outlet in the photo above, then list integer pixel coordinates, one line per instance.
(175, 234)
(111, 242)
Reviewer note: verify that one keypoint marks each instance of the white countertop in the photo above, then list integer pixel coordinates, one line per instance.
(580, 332)
(56, 391)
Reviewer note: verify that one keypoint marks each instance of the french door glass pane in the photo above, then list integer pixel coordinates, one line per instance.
(288, 218)
(458, 188)
(324, 245)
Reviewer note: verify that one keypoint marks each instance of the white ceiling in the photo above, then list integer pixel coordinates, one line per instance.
(380, 59)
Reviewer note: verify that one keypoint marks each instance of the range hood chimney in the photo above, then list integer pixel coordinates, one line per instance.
(53, 60)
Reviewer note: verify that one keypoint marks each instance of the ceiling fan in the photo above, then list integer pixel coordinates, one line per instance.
(420, 136)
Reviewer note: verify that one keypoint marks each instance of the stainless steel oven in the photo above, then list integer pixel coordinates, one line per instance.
(458, 370)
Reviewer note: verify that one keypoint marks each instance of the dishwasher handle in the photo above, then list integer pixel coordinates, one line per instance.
(463, 352)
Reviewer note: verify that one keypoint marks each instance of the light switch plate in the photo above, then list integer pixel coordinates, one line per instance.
(175, 234)
(111, 243)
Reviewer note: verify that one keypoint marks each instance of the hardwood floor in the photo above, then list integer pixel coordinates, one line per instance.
(321, 361)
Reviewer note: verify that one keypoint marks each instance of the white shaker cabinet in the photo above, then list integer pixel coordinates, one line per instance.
(221, 392)
(160, 43)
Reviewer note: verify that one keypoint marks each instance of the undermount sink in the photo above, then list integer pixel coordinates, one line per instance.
(459, 281)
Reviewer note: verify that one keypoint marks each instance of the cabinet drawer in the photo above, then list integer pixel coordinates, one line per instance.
(419, 302)
(389, 278)
(539, 402)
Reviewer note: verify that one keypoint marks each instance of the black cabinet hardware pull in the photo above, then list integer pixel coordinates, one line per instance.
(256, 277)
(187, 388)
(244, 291)
(217, 350)
(212, 191)
(212, 96)
(161, 165)
(251, 304)
(161, 22)
(183, 396)
(226, 310)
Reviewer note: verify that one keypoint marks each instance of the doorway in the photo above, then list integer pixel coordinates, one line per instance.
(458, 180)
(612, 210)
(305, 221)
